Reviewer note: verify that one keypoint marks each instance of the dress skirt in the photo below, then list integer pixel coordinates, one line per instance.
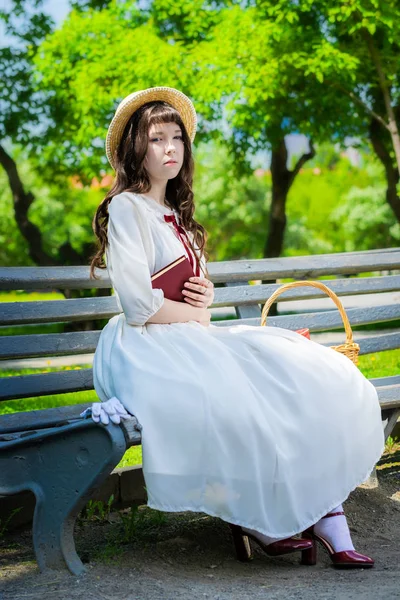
(256, 425)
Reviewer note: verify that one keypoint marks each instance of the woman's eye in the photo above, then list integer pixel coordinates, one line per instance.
(180, 137)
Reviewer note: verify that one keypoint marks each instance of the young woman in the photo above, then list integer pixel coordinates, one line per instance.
(256, 425)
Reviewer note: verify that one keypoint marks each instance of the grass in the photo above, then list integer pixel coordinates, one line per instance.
(380, 364)
(30, 329)
(21, 296)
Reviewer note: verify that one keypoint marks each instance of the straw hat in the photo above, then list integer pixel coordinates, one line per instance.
(128, 105)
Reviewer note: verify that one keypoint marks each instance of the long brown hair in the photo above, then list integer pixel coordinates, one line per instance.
(131, 176)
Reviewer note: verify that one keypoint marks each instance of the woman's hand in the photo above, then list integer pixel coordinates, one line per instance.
(199, 292)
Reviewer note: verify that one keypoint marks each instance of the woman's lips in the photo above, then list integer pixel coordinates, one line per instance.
(171, 162)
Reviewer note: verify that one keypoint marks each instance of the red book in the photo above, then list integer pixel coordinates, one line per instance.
(172, 277)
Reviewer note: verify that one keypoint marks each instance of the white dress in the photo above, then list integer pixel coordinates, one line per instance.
(256, 425)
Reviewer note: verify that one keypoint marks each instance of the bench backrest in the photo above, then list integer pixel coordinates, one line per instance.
(232, 290)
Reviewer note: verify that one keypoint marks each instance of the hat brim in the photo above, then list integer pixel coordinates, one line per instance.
(131, 103)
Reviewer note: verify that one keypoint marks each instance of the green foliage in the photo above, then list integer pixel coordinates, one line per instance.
(189, 20)
(133, 456)
(335, 206)
(233, 210)
(381, 364)
(91, 52)
(365, 221)
(240, 68)
(332, 206)
(140, 520)
(352, 55)
(22, 296)
(256, 73)
(21, 103)
(392, 445)
(62, 212)
(96, 510)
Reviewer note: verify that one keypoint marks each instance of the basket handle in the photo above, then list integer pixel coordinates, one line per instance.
(317, 284)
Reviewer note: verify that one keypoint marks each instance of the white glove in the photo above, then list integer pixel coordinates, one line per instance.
(104, 412)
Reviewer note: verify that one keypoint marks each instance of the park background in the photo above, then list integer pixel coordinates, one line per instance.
(297, 150)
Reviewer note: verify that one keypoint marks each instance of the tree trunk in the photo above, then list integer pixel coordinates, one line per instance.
(22, 201)
(282, 180)
(386, 94)
(66, 254)
(280, 190)
(377, 135)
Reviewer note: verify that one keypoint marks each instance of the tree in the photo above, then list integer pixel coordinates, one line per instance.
(256, 72)
(100, 57)
(62, 214)
(241, 71)
(356, 54)
(23, 122)
(21, 108)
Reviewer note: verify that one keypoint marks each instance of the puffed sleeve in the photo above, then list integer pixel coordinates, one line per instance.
(127, 256)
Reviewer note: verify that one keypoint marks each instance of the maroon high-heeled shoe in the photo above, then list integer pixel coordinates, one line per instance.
(243, 548)
(346, 559)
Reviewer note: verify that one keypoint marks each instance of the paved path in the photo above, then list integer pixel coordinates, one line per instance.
(190, 557)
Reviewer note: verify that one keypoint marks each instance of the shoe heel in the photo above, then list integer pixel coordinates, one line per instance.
(309, 557)
(241, 543)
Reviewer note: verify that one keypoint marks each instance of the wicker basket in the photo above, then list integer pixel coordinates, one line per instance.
(349, 348)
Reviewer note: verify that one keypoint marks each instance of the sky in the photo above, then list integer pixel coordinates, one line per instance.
(59, 9)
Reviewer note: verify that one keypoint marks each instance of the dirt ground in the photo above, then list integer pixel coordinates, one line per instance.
(190, 556)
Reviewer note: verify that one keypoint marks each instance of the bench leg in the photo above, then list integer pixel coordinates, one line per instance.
(53, 537)
(62, 466)
(392, 418)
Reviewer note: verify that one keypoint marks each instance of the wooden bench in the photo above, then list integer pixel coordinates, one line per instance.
(63, 458)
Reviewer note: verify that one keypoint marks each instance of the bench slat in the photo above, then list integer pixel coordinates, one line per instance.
(45, 278)
(376, 343)
(302, 267)
(48, 344)
(389, 396)
(384, 381)
(298, 267)
(321, 321)
(43, 384)
(85, 342)
(58, 311)
(55, 311)
(241, 295)
(49, 417)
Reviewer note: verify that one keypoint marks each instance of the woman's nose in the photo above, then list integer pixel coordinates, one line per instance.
(170, 146)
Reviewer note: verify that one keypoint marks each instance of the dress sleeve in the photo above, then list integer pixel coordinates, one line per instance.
(129, 246)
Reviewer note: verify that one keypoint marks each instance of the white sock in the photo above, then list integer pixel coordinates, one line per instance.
(260, 536)
(335, 531)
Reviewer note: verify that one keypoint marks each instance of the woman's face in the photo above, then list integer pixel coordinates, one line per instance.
(165, 151)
